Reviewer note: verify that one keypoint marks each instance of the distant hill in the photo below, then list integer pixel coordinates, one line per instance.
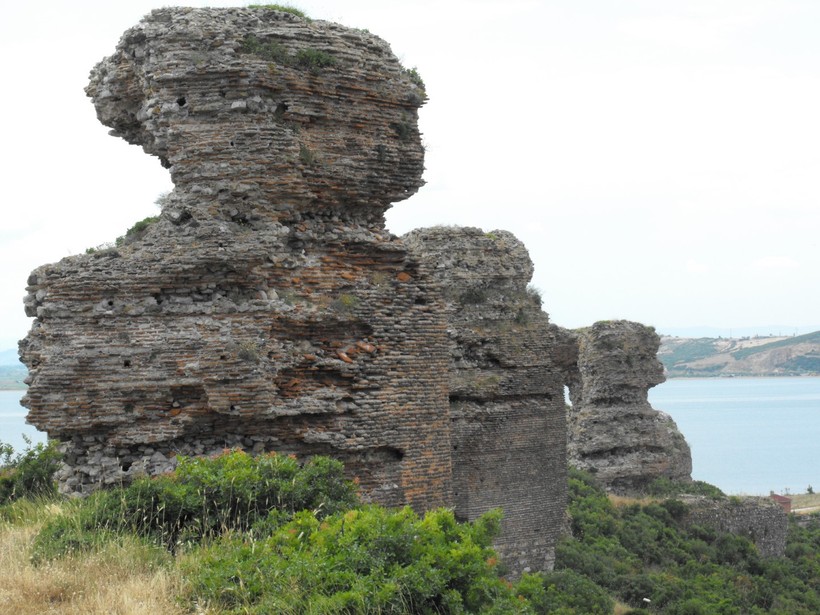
(797, 355)
(12, 372)
(9, 357)
(12, 376)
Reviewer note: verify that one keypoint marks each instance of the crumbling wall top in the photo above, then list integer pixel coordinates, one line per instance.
(253, 104)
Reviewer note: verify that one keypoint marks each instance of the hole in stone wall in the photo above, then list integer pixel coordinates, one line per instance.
(181, 101)
(110, 303)
(232, 144)
(125, 466)
(126, 363)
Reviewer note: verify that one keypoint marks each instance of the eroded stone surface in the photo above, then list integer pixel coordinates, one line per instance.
(267, 308)
(613, 431)
(508, 425)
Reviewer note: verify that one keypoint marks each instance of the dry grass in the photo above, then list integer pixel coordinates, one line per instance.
(128, 578)
(619, 501)
(621, 608)
(805, 502)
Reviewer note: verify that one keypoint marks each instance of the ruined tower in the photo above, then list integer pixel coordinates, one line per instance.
(508, 427)
(267, 308)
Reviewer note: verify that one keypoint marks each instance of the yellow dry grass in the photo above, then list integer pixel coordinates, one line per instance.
(619, 501)
(622, 609)
(121, 579)
(805, 502)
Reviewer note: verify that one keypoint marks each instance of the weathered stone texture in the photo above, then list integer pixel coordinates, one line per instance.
(508, 426)
(761, 520)
(612, 429)
(267, 308)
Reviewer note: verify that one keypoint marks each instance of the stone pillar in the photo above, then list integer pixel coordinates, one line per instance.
(613, 431)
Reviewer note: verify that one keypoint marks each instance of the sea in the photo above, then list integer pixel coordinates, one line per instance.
(748, 436)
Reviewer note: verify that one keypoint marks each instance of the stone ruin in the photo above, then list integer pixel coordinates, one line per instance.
(613, 431)
(269, 309)
(507, 418)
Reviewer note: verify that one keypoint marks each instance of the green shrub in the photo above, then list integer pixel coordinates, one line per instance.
(284, 8)
(314, 59)
(664, 487)
(29, 473)
(368, 560)
(415, 77)
(564, 591)
(646, 551)
(136, 231)
(203, 498)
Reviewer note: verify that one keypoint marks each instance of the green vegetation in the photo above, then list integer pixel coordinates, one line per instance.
(306, 155)
(267, 534)
(27, 474)
(691, 350)
(534, 293)
(645, 551)
(314, 60)
(202, 499)
(132, 234)
(665, 488)
(414, 76)
(365, 560)
(284, 8)
(271, 50)
(345, 302)
(136, 231)
(792, 356)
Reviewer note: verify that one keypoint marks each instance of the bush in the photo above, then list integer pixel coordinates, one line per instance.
(203, 498)
(284, 8)
(663, 487)
(564, 591)
(367, 560)
(136, 231)
(29, 473)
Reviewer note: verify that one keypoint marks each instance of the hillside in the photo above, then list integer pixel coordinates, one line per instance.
(748, 356)
(11, 377)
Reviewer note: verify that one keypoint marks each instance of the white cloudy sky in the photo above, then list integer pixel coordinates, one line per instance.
(660, 158)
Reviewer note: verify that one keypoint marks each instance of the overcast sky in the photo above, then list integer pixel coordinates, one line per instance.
(660, 158)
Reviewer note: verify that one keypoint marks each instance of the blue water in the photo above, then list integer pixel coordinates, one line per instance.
(13, 421)
(748, 435)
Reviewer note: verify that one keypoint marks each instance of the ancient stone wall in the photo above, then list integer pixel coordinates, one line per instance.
(761, 520)
(507, 417)
(613, 431)
(267, 308)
